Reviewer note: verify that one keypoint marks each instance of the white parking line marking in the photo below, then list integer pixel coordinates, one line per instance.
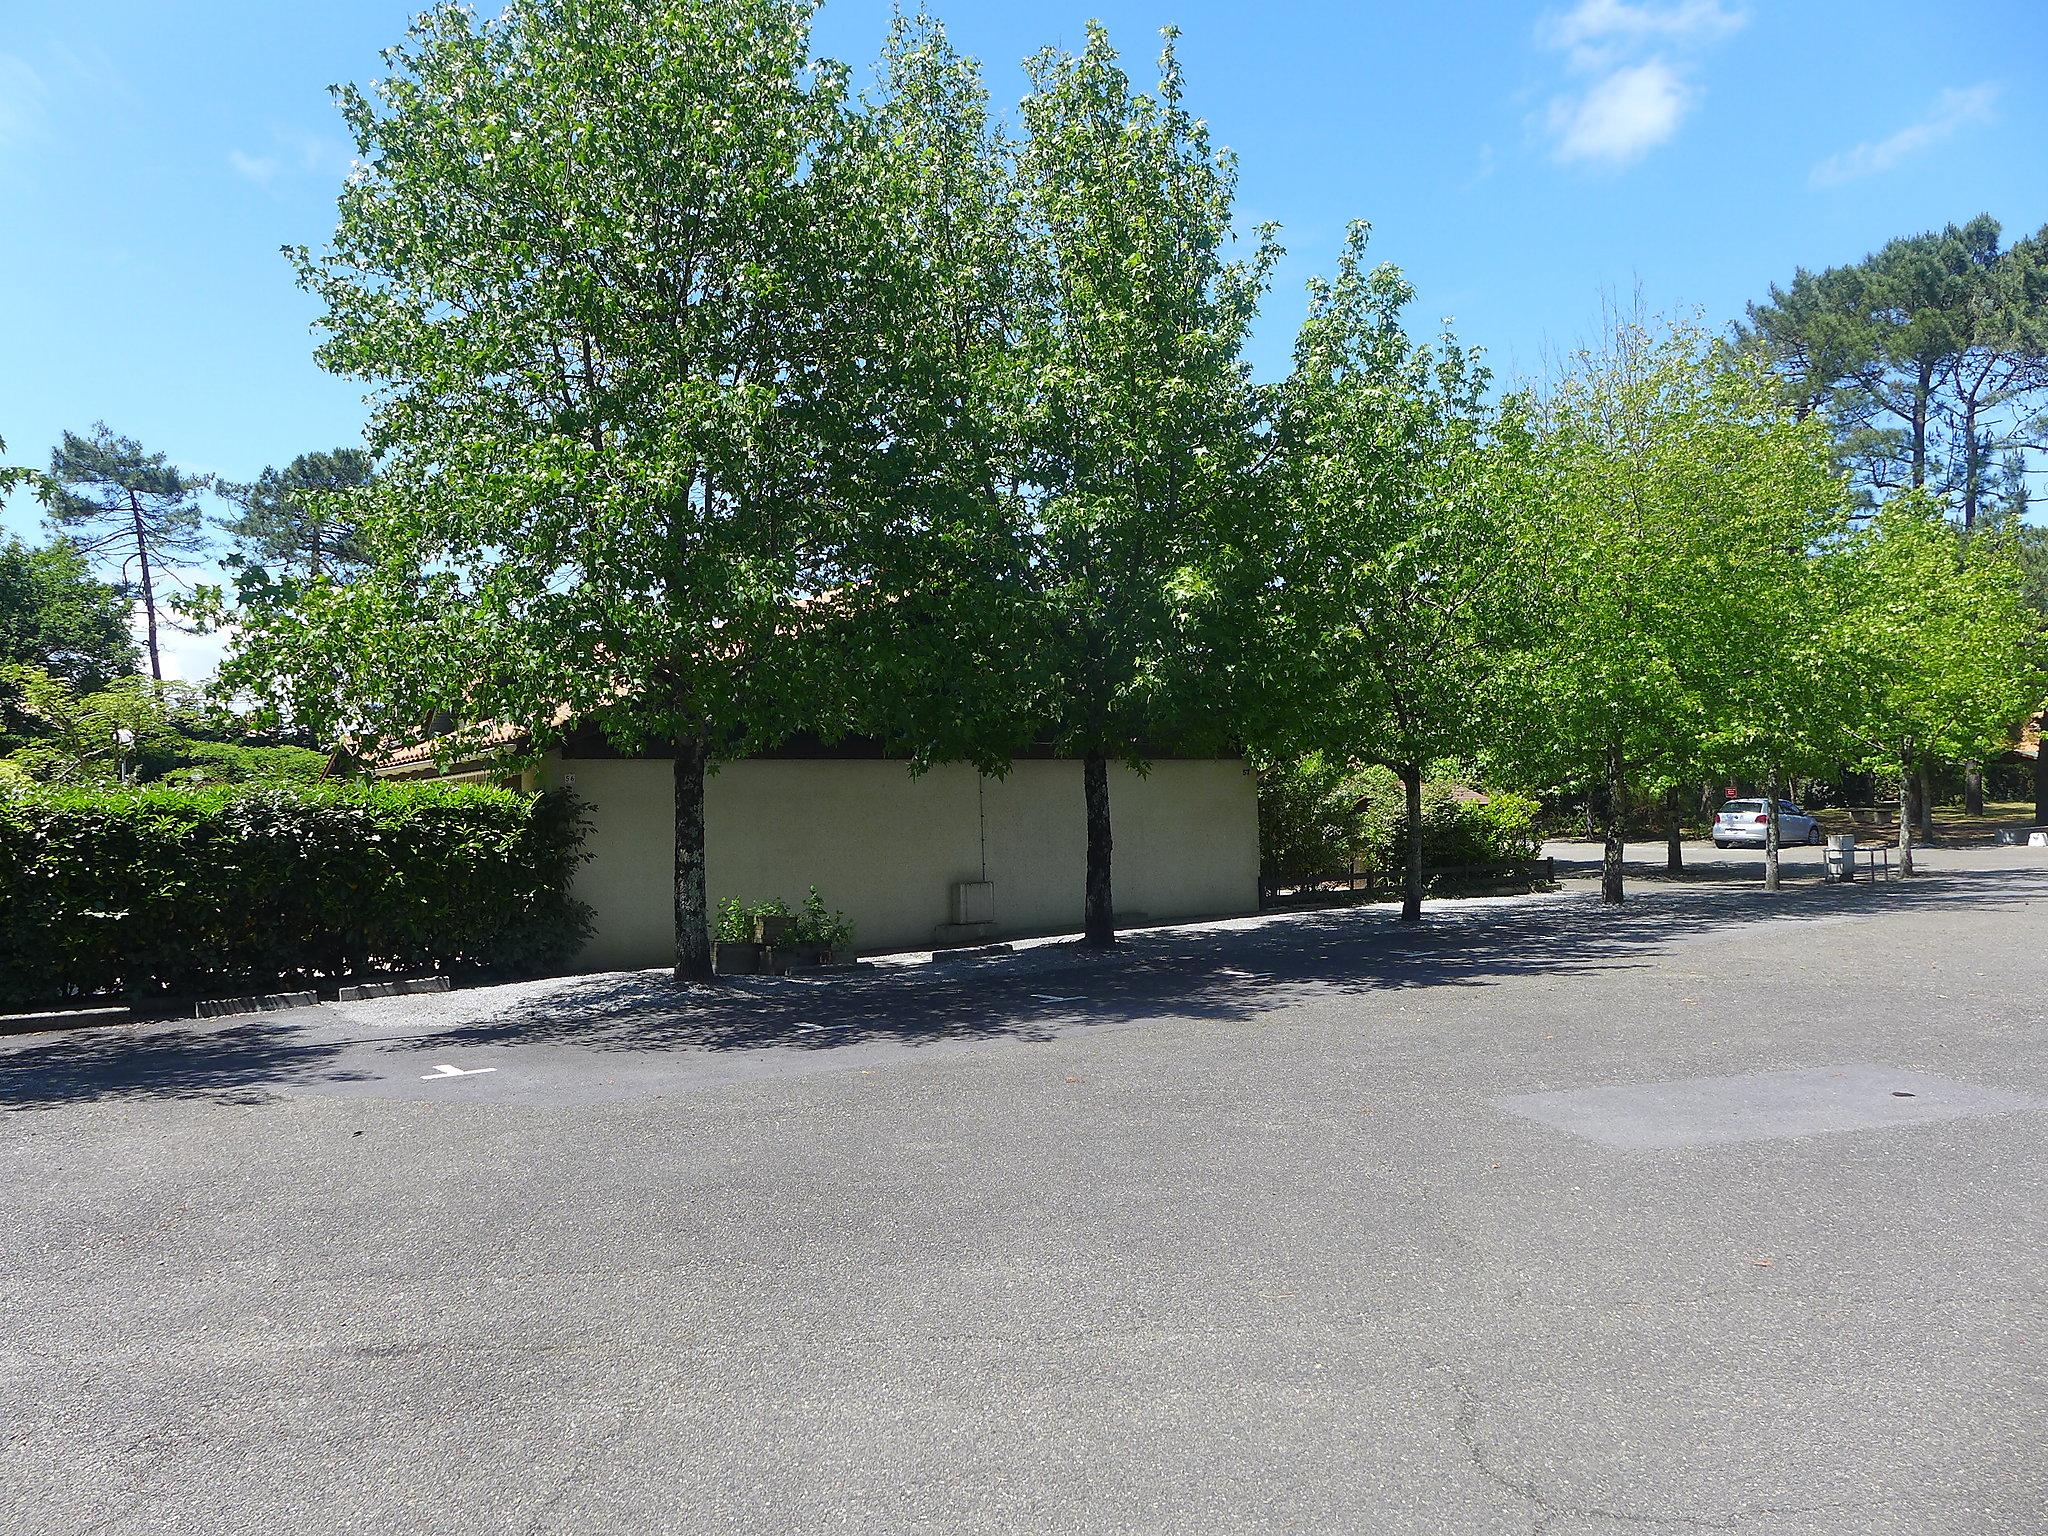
(445, 1071)
(1046, 997)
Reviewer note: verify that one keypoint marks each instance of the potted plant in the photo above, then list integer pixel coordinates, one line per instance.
(820, 937)
(772, 921)
(734, 951)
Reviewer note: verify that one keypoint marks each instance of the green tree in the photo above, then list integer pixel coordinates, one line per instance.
(1399, 551)
(294, 519)
(1929, 357)
(1140, 423)
(105, 735)
(130, 510)
(1769, 699)
(927, 625)
(1662, 471)
(56, 615)
(582, 270)
(1939, 655)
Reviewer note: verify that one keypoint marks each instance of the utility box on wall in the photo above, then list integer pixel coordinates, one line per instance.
(974, 901)
(974, 914)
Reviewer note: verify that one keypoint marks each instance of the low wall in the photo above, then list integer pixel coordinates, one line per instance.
(886, 847)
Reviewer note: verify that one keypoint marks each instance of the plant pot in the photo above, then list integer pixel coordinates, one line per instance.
(809, 955)
(736, 959)
(771, 929)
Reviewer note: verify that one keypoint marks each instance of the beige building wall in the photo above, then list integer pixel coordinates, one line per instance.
(886, 847)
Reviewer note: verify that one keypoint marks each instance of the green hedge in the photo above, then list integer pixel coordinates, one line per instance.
(1314, 818)
(160, 891)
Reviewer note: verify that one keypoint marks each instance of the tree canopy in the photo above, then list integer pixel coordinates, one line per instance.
(56, 615)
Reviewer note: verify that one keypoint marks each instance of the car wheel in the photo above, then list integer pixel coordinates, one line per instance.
(1721, 845)
(1813, 837)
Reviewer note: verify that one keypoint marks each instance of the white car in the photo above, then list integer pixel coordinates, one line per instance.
(1743, 824)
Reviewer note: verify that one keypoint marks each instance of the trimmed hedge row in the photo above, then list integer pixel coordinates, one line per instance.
(158, 892)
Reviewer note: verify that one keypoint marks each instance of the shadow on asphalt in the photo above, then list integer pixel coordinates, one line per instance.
(1217, 973)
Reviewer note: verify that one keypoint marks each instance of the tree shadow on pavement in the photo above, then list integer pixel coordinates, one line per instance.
(238, 1063)
(1231, 971)
(1226, 971)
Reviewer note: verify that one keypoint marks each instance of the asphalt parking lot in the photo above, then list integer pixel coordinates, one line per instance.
(1720, 1212)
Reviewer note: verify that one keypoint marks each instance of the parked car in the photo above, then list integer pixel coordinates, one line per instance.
(1744, 824)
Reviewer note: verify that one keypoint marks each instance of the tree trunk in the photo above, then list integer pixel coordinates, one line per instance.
(1908, 794)
(1973, 479)
(1674, 835)
(1925, 801)
(1617, 805)
(1098, 919)
(2041, 776)
(1922, 391)
(1772, 836)
(693, 910)
(1973, 789)
(1411, 889)
(156, 666)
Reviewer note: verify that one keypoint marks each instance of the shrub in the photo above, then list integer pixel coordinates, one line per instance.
(1309, 824)
(814, 925)
(160, 891)
(1314, 818)
(227, 762)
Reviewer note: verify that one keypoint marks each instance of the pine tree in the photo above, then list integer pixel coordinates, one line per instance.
(127, 509)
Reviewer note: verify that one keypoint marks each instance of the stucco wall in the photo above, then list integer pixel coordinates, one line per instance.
(885, 847)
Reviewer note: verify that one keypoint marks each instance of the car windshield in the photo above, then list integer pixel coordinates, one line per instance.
(1742, 807)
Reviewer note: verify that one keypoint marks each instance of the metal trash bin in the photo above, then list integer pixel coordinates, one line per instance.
(1841, 858)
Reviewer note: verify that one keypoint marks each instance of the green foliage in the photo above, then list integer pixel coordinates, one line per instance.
(1928, 358)
(815, 925)
(1458, 827)
(1314, 819)
(812, 923)
(295, 520)
(1140, 427)
(55, 615)
(228, 762)
(1309, 825)
(126, 508)
(134, 731)
(1401, 541)
(174, 891)
(1675, 504)
(1940, 655)
(734, 923)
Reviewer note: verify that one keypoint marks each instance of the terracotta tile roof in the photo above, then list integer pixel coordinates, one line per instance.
(483, 739)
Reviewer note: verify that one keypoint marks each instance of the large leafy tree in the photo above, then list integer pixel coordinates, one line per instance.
(582, 269)
(927, 625)
(1939, 655)
(128, 509)
(1140, 423)
(1770, 698)
(1398, 549)
(1662, 468)
(55, 614)
(294, 522)
(1929, 357)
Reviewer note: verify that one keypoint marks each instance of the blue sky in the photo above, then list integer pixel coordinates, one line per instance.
(1517, 160)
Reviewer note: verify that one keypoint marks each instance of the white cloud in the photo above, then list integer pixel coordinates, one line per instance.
(22, 98)
(261, 169)
(1597, 34)
(292, 154)
(1638, 57)
(1623, 116)
(1953, 111)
